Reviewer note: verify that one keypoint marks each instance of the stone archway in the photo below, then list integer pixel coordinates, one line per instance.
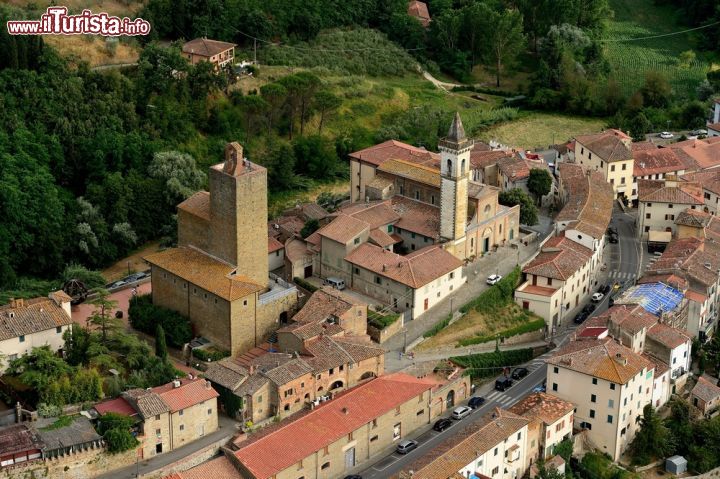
(336, 385)
(450, 399)
(367, 375)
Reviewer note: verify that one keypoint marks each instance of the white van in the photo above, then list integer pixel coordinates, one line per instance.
(336, 283)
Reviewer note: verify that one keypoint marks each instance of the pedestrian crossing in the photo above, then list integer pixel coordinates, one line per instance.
(621, 275)
(500, 399)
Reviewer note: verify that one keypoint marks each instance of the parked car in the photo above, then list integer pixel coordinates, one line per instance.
(666, 135)
(597, 297)
(614, 238)
(353, 476)
(461, 412)
(117, 284)
(580, 317)
(612, 230)
(406, 446)
(696, 133)
(336, 283)
(476, 401)
(519, 373)
(503, 383)
(589, 308)
(492, 279)
(605, 289)
(541, 388)
(442, 424)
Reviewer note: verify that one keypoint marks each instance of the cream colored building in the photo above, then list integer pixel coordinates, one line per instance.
(495, 447)
(656, 164)
(710, 182)
(551, 422)
(660, 202)
(610, 153)
(32, 323)
(609, 384)
(205, 50)
(218, 275)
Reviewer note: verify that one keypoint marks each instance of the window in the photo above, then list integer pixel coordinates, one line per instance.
(209, 411)
(549, 281)
(356, 270)
(589, 156)
(496, 452)
(555, 370)
(649, 205)
(452, 275)
(332, 370)
(610, 419)
(356, 240)
(582, 151)
(182, 427)
(157, 432)
(594, 380)
(22, 338)
(495, 470)
(412, 235)
(432, 199)
(612, 167)
(555, 387)
(647, 216)
(350, 436)
(182, 411)
(259, 398)
(647, 228)
(612, 181)
(611, 403)
(373, 439)
(157, 418)
(420, 412)
(374, 423)
(624, 166)
(397, 411)
(245, 302)
(622, 180)
(479, 464)
(389, 229)
(593, 398)
(670, 205)
(58, 329)
(592, 413)
(417, 195)
(519, 435)
(325, 466)
(378, 280)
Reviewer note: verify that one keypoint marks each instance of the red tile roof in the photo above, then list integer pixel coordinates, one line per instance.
(274, 245)
(610, 145)
(298, 439)
(344, 228)
(659, 160)
(417, 217)
(710, 180)
(667, 335)
(559, 258)
(480, 157)
(415, 270)
(206, 47)
(705, 389)
(218, 468)
(589, 201)
(393, 149)
(118, 406)
(669, 191)
(700, 154)
(419, 10)
(190, 393)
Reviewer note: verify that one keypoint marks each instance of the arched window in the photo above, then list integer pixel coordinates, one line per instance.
(449, 166)
(486, 211)
(463, 165)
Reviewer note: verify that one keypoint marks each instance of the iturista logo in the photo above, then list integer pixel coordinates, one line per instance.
(56, 21)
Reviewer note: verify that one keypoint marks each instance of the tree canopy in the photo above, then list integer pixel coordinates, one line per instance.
(528, 210)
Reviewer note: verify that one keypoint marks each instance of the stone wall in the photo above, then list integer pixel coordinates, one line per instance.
(83, 465)
(188, 462)
(382, 335)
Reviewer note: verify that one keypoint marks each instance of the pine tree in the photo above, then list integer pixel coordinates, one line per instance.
(160, 344)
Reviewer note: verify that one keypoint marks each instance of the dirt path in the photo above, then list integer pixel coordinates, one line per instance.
(440, 84)
(133, 262)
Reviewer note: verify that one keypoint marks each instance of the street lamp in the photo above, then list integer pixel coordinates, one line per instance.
(404, 340)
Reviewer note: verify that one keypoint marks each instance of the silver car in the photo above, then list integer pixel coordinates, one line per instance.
(406, 446)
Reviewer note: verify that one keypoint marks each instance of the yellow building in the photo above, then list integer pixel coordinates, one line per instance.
(609, 152)
(218, 275)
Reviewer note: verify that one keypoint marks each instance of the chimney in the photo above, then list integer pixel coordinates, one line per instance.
(252, 369)
(345, 411)
(18, 412)
(620, 359)
(208, 385)
(384, 268)
(176, 383)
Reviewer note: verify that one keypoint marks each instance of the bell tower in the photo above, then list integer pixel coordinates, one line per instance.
(454, 172)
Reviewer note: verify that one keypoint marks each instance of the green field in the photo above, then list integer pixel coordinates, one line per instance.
(536, 129)
(641, 18)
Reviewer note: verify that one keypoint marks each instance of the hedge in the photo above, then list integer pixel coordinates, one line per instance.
(496, 296)
(305, 285)
(145, 316)
(381, 321)
(485, 365)
(438, 327)
(529, 327)
(210, 354)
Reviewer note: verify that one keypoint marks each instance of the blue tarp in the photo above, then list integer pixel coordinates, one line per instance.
(655, 298)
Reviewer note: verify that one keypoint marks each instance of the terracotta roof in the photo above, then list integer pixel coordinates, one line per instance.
(710, 180)
(146, 403)
(382, 239)
(297, 249)
(344, 229)
(218, 468)
(118, 406)
(480, 190)
(659, 160)
(190, 393)
(705, 389)
(19, 438)
(406, 169)
(559, 258)
(415, 270)
(314, 211)
(543, 407)
(288, 371)
(274, 245)
(324, 303)
(514, 168)
(695, 259)
(206, 47)
(694, 218)
(667, 335)
(376, 214)
(417, 217)
(419, 10)
(700, 154)
(643, 146)
(630, 317)
(80, 431)
(393, 149)
(602, 358)
(227, 373)
(327, 423)
(198, 205)
(661, 366)
(480, 157)
(539, 290)
(595, 332)
(305, 331)
(30, 316)
(463, 448)
(668, 191)
(609, 145)
(330, 352)
(204, 271)
(589, 200)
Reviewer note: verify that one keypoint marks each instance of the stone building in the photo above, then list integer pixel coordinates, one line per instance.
(705, 395)
(610, 153)
(659, 202)
(218, 275)
(205, 50)
(32, 323)
(551, 422)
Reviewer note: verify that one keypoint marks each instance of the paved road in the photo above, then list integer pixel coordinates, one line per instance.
(429, 439)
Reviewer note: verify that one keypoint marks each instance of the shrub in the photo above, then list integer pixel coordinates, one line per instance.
(496, 296)
(438, 327)
(489, 364)
(145, 316)
(115, 429)
(531, 326)
(305, 285)
(381, 321)
(210, 354)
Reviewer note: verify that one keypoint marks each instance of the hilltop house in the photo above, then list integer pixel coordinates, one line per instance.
(205, 50)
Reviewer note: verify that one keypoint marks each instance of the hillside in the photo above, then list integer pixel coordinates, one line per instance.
(642, 18)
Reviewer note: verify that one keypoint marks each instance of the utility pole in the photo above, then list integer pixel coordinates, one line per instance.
(255, 51)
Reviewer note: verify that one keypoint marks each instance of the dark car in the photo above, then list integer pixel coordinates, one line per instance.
(605, 289)
(612, 231)
(442, 424)
(503, 383)
(589, 308)
(476, 401)
(614, 238)
(611, 301)
(580, 317)
(353, 476)
(519, 373)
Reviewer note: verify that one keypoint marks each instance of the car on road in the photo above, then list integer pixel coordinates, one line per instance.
(461, 412)
(406, 446)
(614, 238)
(695, 133)
(605, 289)
(597, 297)
(493, 279)
(442, 424)
(589, 308)
(541, 388)
(519, 373)
(612, 230)
(117, 284)
(476, 401)
(503, 383)
(666, 135)
(353, 476)
(581, 317)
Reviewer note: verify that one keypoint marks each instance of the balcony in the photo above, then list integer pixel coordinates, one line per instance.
(279, 288)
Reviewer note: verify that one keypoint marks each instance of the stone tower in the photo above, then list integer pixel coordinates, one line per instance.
(238, 214)
(454, 172)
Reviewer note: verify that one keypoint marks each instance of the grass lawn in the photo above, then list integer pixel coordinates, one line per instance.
(536, 129)
(119, 269)
(475, 323)
(640, 18)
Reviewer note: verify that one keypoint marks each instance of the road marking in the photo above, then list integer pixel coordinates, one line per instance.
(493, 395)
